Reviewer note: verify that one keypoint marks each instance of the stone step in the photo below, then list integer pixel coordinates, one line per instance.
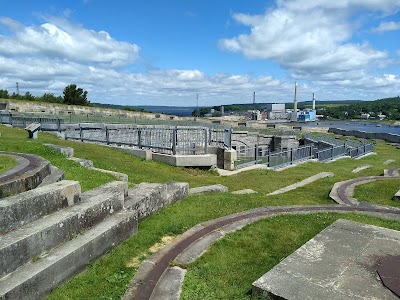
(55, 175)
(36, 279)
(26, 207)
(25, 243)
(148, 198)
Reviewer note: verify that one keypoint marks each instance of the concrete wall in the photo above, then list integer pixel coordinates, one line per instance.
(392, 138)
(205, 160)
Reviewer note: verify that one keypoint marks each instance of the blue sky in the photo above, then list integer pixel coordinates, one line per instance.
(159, 52)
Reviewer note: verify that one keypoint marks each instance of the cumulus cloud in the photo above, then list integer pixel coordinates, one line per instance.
(310, 38)
(387, 26)
(62, 39)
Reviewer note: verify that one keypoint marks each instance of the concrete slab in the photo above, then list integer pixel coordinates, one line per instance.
(216, 188)
(361, 168)
(244, 192)
(169, 286)
(338, 263)
(302, 183)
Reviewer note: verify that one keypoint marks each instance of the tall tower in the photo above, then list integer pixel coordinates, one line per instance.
(313, 101)
(293, 117)
(254, 101)
(295, 97)
(17, 88)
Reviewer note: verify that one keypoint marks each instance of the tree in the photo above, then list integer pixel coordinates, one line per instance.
(4, 94)
(74, 95)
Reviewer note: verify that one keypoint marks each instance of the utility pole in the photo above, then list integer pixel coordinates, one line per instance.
(254, 101)
(198, 112)
(17, 88)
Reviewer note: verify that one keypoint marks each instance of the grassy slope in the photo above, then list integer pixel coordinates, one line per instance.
(6, 163)
(108, 277)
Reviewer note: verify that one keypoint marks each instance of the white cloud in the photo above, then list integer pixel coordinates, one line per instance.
(62, 39)
(314, 46)
(310, 38)
(387, 26)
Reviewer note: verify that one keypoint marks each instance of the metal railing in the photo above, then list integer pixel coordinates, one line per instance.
(48, 123)
(162, 139)
(260, 154)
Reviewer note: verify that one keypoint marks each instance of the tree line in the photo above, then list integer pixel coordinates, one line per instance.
(390, 107)
(72, 95)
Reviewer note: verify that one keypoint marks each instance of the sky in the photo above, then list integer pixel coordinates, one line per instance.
(159, 52)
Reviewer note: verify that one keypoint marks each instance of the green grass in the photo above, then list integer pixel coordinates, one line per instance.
(6, 163)
(380, 192)
(228, 269)
(107, 278)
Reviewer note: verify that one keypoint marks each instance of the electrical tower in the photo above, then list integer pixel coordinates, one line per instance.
(17, 88)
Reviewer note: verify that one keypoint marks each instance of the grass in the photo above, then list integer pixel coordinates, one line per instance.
(380, 192)
(228, 269)
(108, 277)
(6, 163)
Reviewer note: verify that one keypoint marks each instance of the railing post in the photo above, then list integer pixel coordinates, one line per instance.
(107, 136)
(58, 124)
(205, 141)
(81, 132)
(256, 153)
(140, 138)
(291, 156)
(174, 140)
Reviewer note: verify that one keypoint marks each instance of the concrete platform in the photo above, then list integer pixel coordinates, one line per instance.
(338, 263)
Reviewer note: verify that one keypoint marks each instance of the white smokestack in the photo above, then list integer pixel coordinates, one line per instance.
(295, 97)
(313, 101)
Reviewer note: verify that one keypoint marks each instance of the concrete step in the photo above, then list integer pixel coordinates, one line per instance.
(26, 207)
(55, 175)
(36, 279)
(148, 198)
(25, 243)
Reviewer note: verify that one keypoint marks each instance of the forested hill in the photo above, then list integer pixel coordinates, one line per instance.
(390, 107)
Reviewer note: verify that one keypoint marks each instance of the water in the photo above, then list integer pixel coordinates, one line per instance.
(355, 125)
(170, 110)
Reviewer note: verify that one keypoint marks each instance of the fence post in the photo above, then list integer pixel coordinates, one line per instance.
(291, 156)
(256, 153)
(139, 138)
(228, 138)
(80, 132)
(107, 136)
(174, 140)
(58, 124)
(205, 141)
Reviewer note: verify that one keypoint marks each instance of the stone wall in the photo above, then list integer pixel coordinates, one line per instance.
(64, 110)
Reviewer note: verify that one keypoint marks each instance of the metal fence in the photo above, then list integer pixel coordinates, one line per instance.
(48, 123)
(162, 139)
(260, 154)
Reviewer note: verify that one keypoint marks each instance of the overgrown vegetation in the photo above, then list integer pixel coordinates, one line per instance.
(108, 277)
